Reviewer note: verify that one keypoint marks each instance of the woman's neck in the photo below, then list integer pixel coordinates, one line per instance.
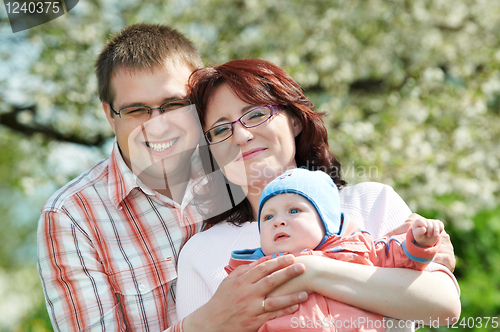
(254, 202)
(253, 196)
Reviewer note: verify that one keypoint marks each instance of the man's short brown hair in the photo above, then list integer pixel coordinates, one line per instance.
(143, 47)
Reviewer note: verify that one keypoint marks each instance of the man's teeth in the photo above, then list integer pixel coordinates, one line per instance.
(161, 147)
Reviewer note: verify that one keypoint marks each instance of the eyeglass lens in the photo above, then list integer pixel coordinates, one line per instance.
(144, 112)
(253, 118)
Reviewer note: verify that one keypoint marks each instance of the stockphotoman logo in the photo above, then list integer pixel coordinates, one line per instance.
(28, 14)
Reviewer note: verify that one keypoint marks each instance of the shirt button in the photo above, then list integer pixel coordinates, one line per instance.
(142, 288)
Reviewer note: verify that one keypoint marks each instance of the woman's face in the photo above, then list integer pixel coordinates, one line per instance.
(261, 153)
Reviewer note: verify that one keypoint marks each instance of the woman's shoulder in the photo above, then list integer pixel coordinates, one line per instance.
(365, 188)
(218, 230)
(375, 206)
(222, 237)
(368, 193)
(211, 235)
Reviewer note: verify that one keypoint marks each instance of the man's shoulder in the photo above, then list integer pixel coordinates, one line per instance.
(79, 184)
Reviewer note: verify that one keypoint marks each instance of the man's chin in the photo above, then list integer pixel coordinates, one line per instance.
(165, 171)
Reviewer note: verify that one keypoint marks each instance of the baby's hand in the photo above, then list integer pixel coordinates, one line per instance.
(426, 231)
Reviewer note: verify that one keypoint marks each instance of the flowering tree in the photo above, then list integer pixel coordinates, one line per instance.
(411, 90)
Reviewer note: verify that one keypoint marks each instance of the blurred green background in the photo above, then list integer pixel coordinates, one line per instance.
(412, 91)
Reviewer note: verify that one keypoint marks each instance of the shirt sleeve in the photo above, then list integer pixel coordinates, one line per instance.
(77, 291)
(202, 260)
(375, 207)
(403, 252)
(192, 291)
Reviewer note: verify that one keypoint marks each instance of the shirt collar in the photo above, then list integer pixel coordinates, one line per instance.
(121, 180)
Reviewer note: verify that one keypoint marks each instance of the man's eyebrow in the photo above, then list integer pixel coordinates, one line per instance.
(165, 100)
(225, 119)
(132, 105)
(177, 97)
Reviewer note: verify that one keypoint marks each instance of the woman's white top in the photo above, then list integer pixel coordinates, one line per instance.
(375, 207)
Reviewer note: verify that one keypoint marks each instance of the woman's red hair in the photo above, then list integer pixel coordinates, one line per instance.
(259, 82)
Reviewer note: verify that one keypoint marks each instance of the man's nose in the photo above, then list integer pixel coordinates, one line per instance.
(158, 124)
(155, 111)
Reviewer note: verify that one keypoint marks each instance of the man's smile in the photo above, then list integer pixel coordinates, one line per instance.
(159, 147)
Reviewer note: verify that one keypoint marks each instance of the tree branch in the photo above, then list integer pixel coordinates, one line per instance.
(11, 121)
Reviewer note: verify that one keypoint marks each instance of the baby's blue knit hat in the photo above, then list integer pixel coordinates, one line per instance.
(315, 186)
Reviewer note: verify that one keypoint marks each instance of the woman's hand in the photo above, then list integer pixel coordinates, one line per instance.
(237, 305)
(303, 282)
(445, 256)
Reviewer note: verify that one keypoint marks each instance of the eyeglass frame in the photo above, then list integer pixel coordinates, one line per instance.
(275, 109)
(150, 109)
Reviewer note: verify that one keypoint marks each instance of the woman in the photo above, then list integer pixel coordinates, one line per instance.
(258, 124)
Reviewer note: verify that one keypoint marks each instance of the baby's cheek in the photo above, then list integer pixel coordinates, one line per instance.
(265, 245)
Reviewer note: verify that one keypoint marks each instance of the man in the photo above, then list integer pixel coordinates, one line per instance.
(109, 240)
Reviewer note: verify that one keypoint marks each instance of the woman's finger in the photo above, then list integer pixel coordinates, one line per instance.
(281, 305)
(270, 282)
(240, 270)
(265, 269)
(446, 256)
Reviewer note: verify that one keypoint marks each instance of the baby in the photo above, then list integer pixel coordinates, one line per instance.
(299, 213)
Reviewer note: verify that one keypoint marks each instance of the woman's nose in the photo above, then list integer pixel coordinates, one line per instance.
(241, 134)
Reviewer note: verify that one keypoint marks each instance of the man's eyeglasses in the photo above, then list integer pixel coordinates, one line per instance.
(253, 118)
(143, 113)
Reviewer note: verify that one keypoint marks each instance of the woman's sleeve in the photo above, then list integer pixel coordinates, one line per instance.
(192, 290)
(202, 260)
(375, 207)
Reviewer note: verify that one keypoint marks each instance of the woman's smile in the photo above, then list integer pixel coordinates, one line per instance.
(251, 153)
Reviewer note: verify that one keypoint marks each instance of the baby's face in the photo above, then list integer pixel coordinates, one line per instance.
(289, 222)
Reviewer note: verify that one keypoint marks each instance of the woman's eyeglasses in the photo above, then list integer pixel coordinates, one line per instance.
(253, 118)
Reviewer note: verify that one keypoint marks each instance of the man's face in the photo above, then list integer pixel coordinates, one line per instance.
(163, 144)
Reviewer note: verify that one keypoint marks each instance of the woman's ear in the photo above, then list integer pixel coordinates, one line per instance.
(296, 126)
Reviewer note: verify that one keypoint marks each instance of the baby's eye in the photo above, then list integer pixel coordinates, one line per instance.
(268, 217)
(293, 211)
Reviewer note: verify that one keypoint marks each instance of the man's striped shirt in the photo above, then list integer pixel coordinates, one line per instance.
(108, 248)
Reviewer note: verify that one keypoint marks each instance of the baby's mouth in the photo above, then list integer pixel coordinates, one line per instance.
(281, 236)
(159, 147)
